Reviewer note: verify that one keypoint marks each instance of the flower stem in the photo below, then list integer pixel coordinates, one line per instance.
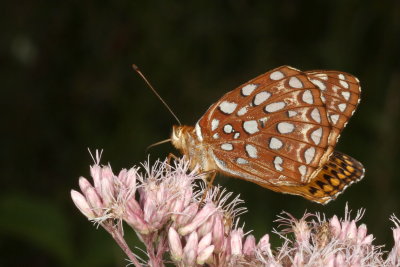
(155, 260)
(122, 244)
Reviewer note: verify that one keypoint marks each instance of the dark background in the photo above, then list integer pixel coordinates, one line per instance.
(67, 84)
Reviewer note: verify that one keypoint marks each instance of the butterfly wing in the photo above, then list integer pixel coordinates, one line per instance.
(341, 94)
(337, 174)
(280, 128)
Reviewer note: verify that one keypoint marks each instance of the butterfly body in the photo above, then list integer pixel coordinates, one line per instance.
(279, 130)
(184, 138)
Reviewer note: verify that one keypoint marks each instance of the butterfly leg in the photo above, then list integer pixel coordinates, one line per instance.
(171, 157)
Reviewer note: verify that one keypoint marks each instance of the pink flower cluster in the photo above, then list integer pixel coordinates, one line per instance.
(331, 243)
(179, 220)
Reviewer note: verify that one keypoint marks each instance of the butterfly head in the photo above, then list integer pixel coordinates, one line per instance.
(176, 135)
(181, 137)
(186, 140)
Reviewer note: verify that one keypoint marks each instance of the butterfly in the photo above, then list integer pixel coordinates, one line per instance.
(279, 130)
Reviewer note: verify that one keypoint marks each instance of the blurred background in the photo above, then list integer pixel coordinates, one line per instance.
(67, 85)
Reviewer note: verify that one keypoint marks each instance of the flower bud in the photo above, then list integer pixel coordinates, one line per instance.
(94, 201)
(149, 206)
(91, 196)
(106, 173)
(361, 233)
(204, 255)
(345, 228)
(95, 172)
(134, 207)
(264, 245)
(84, 184)
(236, 242)
(218, 233)
(136, 222)
(187, 214)
(200, 218)
(176, 208)
(335, 226)
(204, 242)
(396, 247)
(302, 232)
(351, 230)
(81, 204)
(396, 234)
(107, 190)
(206, 227)
(175, 244)
(190, 250)
(130, 180)
(249, 245)
(368, 240)
(226, 247)
(122, 175)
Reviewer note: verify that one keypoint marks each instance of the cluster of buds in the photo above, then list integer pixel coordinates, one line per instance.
(179, 219)
(171, 210)
(331, 243)
(211, 235)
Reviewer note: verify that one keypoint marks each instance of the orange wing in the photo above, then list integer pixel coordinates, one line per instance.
(336, 175)
(279, 129)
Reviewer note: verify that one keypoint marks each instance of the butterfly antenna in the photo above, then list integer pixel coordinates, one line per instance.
(136, 68)
(158, 143)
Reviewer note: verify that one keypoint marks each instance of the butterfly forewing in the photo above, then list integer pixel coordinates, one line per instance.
(272, 130)
(341, 93)
(279, 130)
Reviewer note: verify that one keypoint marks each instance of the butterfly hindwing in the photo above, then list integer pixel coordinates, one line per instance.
(336, 175)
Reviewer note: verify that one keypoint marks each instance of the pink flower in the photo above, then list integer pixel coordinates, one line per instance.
(172, 212)
(393, 258)
(107, 198)
(347, 230)
(163, 196)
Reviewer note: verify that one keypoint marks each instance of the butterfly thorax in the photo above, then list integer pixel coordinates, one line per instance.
(184, 138)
